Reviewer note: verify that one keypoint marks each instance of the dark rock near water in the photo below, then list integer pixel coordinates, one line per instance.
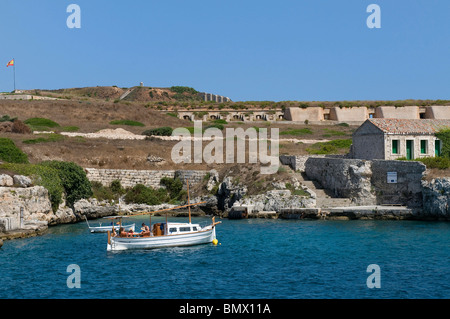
(436, 198)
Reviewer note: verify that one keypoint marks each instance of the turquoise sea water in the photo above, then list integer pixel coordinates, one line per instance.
(256, 258)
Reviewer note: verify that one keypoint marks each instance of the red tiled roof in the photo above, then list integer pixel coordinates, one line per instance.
(403, 126)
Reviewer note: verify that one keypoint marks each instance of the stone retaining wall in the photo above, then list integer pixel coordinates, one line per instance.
(297, 162)
(366, 182)
(130, 178)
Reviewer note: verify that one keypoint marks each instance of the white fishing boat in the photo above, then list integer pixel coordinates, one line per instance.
(166, 234)
(116, 226)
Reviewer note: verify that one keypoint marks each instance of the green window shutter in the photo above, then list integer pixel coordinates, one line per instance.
(423, 147)
(395, 147)
(437, 148)
(409, 149)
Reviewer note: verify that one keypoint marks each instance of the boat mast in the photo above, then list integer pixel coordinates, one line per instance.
(120, 219)
(189, 207)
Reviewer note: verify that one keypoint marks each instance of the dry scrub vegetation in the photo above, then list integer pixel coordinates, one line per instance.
(91, 115)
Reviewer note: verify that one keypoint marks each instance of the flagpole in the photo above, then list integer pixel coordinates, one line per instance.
(14, 67)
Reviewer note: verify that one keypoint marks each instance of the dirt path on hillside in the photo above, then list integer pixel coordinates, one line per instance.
(122, 134)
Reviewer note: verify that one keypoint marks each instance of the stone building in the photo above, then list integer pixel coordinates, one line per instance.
(391, 139)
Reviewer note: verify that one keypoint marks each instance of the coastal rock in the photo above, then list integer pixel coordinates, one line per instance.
(22, 181)
(154, 159)
(213, 180)
(279, 185)
(210, 205)
(37, 212)
(132, 208)
(276, 200)
(6, 180)
(37, 208)
(65, 215)
(436, 198)
(34, 201)
(94, 209)
(228, 193)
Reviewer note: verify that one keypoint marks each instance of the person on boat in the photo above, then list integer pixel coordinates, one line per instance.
(130, 233)
(145, 230)
(113, 232)
(122, 232)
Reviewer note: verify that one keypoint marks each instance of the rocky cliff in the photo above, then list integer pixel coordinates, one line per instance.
(26, 210)
(233, 193)
(436, 198)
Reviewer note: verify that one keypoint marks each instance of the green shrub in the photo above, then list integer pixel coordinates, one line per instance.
(301, 131)
(126, 122)
(141, 194)
(101, 192)
(49, 138)
(183, 89)
(10, 153)
(6, 118)
(109, 193)
(74, 180)
(217, 125)
(341, 143)
(160, 131)
(38, 123)
(330, 147)
(70, 129)
(174, 186)
(116, 187)
(330, 133)
(444, 136)
(436, 162)
(431, 162)
(220, 121)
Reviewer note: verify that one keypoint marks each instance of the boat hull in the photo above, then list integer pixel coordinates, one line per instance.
(105, 229)
(189, 239)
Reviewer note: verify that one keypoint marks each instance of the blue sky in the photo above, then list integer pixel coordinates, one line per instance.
(306, 50)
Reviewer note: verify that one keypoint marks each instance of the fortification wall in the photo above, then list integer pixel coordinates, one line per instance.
(297, 162)
(130, 178)
(440, 112)
(392, 112)
(349, 114)
(303, 114)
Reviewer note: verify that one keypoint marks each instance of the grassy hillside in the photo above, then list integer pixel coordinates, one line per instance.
(88, 115)
(88, 110)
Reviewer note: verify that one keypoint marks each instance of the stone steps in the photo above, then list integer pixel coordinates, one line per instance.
(126, 93)
(333, 202)
(324, 198)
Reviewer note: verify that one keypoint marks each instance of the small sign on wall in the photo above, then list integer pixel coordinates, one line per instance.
(392, 177)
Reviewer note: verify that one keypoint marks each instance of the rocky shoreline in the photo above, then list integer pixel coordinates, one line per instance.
(36, 215)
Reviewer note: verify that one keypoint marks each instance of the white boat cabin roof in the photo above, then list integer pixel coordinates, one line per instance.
(182, 227)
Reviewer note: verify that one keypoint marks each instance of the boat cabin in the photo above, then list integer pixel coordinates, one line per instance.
(160, 229)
